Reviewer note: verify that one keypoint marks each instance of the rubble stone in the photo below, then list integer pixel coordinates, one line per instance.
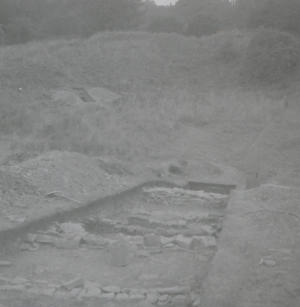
(74, 283)
(179, 300)
(95, 241)
(163, 300)
(136, 297)
(111, 289)
(29, 247)
(44, 239)
(139, 220)
(91, 292)
(183, 242)
(92, 289)
(122, 297)
(119, 253)
(47, 291)
(67, 243)
(75, 292)
(152, 240)
(173, 290)
(152, 297)
(30, 238)
(142, 254)
(167, 240)
(203, 242)
(106, 297)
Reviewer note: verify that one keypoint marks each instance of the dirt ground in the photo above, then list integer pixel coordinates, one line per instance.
(258, 260)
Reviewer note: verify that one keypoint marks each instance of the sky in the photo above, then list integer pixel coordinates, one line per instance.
(164, 2)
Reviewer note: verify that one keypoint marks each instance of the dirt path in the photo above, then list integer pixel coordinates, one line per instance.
(257, 264)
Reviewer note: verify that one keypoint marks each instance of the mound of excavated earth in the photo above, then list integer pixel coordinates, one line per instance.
(70, 174)
(56, 181)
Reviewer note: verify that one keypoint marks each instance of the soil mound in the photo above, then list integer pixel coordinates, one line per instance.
(73, 175)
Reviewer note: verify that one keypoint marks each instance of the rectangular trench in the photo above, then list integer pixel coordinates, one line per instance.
(151, 246)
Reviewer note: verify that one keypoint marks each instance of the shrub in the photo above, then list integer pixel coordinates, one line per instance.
(20, 30)
(202, 25)
(164, 24)
(271, 56)
(231, 46)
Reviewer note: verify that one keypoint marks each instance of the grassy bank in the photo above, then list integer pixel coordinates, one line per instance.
(168, 84)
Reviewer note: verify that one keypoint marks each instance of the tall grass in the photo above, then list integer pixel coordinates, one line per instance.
(164, 79)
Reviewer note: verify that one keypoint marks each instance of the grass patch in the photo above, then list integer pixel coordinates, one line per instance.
(165, 80)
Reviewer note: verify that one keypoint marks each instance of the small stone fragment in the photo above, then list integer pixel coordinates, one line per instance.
(47, 291)
(152, 297)
(173, 290)
(95, 241)
(167, 240)
(111, 289)
(30, 238)
(163, 299)
(57, 294)
(196, 303)
(67, 244)
(74, 283)
(203, 242)
(142, 254)
(268, 262)
(122, 297)
(207, 230)
(92, 289)
(29, 247)
(44, 239)
(179, 300)
(183, 242)
(169, 245)
(136, 297)
(91, 292)
(119, 253)
(152, 240)
(75, 292)
(106, 297)
(139, 220)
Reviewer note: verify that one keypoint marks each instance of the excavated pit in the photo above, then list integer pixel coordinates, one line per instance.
(152, 246)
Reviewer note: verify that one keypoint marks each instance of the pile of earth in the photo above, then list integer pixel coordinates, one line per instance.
(57, 181)
(72, 175)
(16, 193)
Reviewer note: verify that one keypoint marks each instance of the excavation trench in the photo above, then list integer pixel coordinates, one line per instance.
(152, 245)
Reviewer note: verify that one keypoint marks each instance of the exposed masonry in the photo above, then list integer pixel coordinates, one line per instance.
(81, 289)
(141, 234)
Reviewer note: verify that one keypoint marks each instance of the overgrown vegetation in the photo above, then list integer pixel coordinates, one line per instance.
(165, 80)
(271, 56)
(34, 19)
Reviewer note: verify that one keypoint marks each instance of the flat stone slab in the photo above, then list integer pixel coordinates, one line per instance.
(103, 95)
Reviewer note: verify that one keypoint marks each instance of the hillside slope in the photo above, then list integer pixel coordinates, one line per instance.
(180, 99)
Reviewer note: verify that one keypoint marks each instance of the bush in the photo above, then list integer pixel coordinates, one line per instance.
(271, 57)
(202, 25)
(20, 30)
(164, 24)
(231, 46)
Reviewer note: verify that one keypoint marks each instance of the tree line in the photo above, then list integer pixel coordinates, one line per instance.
(25, 20)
